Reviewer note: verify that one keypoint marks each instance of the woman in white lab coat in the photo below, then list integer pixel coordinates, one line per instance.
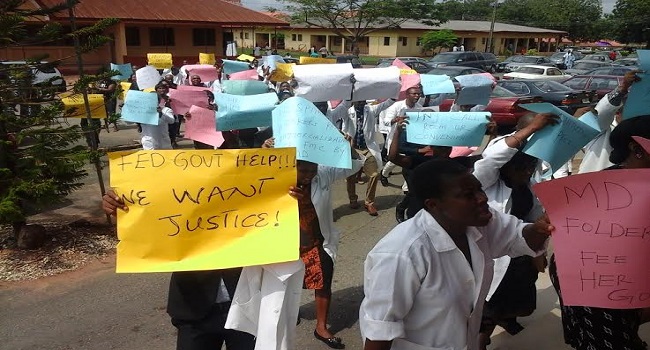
(157, 136)
(505, 173)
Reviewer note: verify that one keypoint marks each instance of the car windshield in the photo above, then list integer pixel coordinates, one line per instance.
(529, 59)
(384, 64)
(498, 91)
(531, 70)
(551, 86)
(586, 65)
(558, 55)
(444, 58)
(450, 72)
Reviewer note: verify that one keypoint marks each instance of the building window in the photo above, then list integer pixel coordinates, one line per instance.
(296, 37)
(241, 35)
(132, 36)
(483, 40)
(204, 37)
(418, 41)
(386, 41)
(337, 41)
(246, 36)
(403, 40)
(161, 37)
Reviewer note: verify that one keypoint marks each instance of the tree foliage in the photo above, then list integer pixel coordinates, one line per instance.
(354, 19)
(40, 158)
(438, 39)
(631, 21)
(470, 10)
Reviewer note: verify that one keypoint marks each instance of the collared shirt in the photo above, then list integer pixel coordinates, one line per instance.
(421, 292)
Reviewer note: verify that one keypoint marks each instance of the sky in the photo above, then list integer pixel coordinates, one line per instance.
(259, 5)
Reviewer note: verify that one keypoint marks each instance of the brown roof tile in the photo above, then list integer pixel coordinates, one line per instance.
(212, 11)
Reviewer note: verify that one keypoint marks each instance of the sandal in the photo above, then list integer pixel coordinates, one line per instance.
(333, 342)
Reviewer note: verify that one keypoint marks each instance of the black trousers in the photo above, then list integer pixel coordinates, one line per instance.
(210, 334)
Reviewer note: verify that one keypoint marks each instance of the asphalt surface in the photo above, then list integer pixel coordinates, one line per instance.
(96, 309)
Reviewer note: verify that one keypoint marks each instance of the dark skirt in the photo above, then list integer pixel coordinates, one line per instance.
(516, 295)
(319, 269)
(592, 328)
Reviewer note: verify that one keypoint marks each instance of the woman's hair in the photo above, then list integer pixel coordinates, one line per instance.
(430, 179)
(161, 83)
(622, 134)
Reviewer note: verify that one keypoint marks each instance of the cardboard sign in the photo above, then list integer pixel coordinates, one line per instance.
(242, 112)
(475, 89)
(282, 72)
(244, 57)
(206, 72)
(202, 126)
(298, 123)
(446, 128)
(602, 237)
(250, 74)
(207, 58)
(556, 144)
(147, 77)
(75, 106)
(182, 100)
(436, 84)
(141, 107)
(231, 209)
(230, 66)
(316, 60)
(244, 87)
(375, 83)
(124, 87)
(324, 82)
(638, 99)
(160, 60)
(126, 70)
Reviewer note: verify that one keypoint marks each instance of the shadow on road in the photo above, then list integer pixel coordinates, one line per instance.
(344, 311)
(386, 202)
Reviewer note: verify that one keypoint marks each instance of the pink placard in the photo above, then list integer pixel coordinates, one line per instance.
(602, 237)
(461, 151)
(399, 64)
(182, 100)
(202, 126)
(645, 143)
(192, 88)
(408, 81)
(335, 103)
(250, 74)
(205, 71)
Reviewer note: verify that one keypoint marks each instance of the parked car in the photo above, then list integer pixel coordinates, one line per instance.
(537, 72)
(419, 67)
(602, 84)
(558, 58)
(454, 71)
(356, 63)
(584, 66)
(484, 61)
(520, 61)
(620, 70)
(603, 57)
(552, 92)
(403, 59)
(501, 66)
(504, 105)
(47, 80)
(627, 61)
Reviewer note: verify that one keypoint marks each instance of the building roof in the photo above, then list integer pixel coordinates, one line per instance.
(193, 11)
(478, 26)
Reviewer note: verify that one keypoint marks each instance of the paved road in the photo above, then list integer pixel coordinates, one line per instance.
(96, 309)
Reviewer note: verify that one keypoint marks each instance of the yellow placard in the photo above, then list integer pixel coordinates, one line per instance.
(160, 60)
(125, 86)
(231, 209)
(75, 107)
(316, 60)
(207, 58)
(245, 57)
(282, 72)
(407, 72)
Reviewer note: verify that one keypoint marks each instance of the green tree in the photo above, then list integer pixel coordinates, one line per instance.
(352, 20)
(438, 39)
(40, 159)
(631, 21)
(470, 10)
(576, 17)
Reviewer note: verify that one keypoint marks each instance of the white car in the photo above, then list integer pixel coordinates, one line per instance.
(537, 72)
(46, 79)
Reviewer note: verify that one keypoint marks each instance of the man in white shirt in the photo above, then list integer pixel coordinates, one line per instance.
(390, 117)
(425, 282)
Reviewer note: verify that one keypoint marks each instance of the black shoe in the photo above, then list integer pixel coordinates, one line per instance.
(511, 326)
(333, 342)
(400, 214)
(384, 180)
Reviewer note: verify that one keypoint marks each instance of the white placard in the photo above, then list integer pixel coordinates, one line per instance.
(376, 83)
(324, 82)
(147, 77)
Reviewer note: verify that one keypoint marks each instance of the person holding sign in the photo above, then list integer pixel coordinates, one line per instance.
(425, 282)
(505, 173)
(157, 136)
(359, 124)
(588, 328)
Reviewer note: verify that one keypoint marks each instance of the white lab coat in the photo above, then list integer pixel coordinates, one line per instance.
(396, 110)
(371, 113)
(266, 304)
(597, 151)
(486, 171)
(157, 136)
(334, 115)
(421, 292)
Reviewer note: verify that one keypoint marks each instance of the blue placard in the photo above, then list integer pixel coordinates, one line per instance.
(141, 107)
(436, 84)
(298, 123)
(244, 87)
(474, 95)
(126, 70)
(230, 66)
(270, 61)
(590, 119)
(242, 112)
(557, 143)
(446, 128)
(638, 99)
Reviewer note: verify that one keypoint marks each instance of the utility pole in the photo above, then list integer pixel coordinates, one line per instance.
(490, 44)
